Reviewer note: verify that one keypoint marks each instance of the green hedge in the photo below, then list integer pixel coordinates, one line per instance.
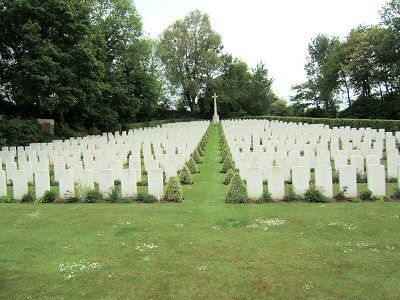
(20, 132)
(388, 125)
(156, 123)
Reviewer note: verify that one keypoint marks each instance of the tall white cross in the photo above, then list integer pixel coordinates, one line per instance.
(215, 104)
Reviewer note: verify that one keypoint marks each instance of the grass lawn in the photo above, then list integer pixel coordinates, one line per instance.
(200, 249)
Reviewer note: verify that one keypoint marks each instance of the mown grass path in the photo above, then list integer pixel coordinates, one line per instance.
(207, 188)
(201, 248)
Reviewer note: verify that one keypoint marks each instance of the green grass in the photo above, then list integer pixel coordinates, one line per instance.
(201, 248)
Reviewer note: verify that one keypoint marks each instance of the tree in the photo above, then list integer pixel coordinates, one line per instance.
(322, 75)
(189, 50)
(48, 65)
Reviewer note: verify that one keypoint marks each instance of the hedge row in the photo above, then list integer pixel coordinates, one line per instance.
(388, 125)
(156, 123)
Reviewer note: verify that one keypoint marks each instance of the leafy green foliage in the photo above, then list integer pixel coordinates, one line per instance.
(185, 176)
(189, 50)
(196, 157)
(17, 132)
(92, 196)
(192, 166)
(5, 199)
(173, 190)
(228, 164)
(229, 176)
(366, 195)
(48, 197)
(240, 91)
(291, 195)
(265, 198)
(237, 192)
(314, 195)
(377, 198)
(114, 196)
(145, 198)
(28, 198)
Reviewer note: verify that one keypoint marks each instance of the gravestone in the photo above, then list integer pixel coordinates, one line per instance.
(42, 182)
(156, 182)
(300, 179)
(66, 184)
(323, 180)
(3, 183)
(106, 181)
(86, 180)
(20, 184)
(376, 179)
(348, 180)
(254, 182)
(392, 163)
(276, 182)
(128, 183)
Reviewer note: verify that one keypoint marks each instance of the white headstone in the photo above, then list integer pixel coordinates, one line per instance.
(392, 162)
(276, 182)
(376, 179)
(86, 180)
(348, 180)
(20, 184)
(323, 180)
(300, 179)
(106, 181)
(156, 182)
(3, 183)
(42, 182)
(128, 183)
(66, 184)
(254, 182)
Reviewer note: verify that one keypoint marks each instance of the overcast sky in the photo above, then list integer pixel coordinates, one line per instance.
(276, 32)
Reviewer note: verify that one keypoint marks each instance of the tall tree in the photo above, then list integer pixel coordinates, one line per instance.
(190, 49)
(322, 75)
(47, 63)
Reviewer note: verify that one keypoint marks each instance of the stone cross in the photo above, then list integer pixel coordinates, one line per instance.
(215, 116)
(215, 104)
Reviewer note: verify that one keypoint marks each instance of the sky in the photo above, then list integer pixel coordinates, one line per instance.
(276, 32)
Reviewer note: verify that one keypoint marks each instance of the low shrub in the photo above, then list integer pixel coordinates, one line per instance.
(185, 176)
(314, 195)
(225, 152)
(291, 195)
(114, 196)
(126, 199)
(228, 164)
(196, 157)
(396, 193)
(5, 199)
(28, 198)
(145, 198)
(392, 180)
(200, 150)
(237, 192)
(48, 197)
(173, 190)
(361, 178)
(192, 166)
(142, 183)
(377, 198)
(265, 198)
(228, 176)
(92, 196)
(366, 195)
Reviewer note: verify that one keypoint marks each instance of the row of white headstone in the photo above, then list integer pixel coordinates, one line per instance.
(102, 160)
(277, 151)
